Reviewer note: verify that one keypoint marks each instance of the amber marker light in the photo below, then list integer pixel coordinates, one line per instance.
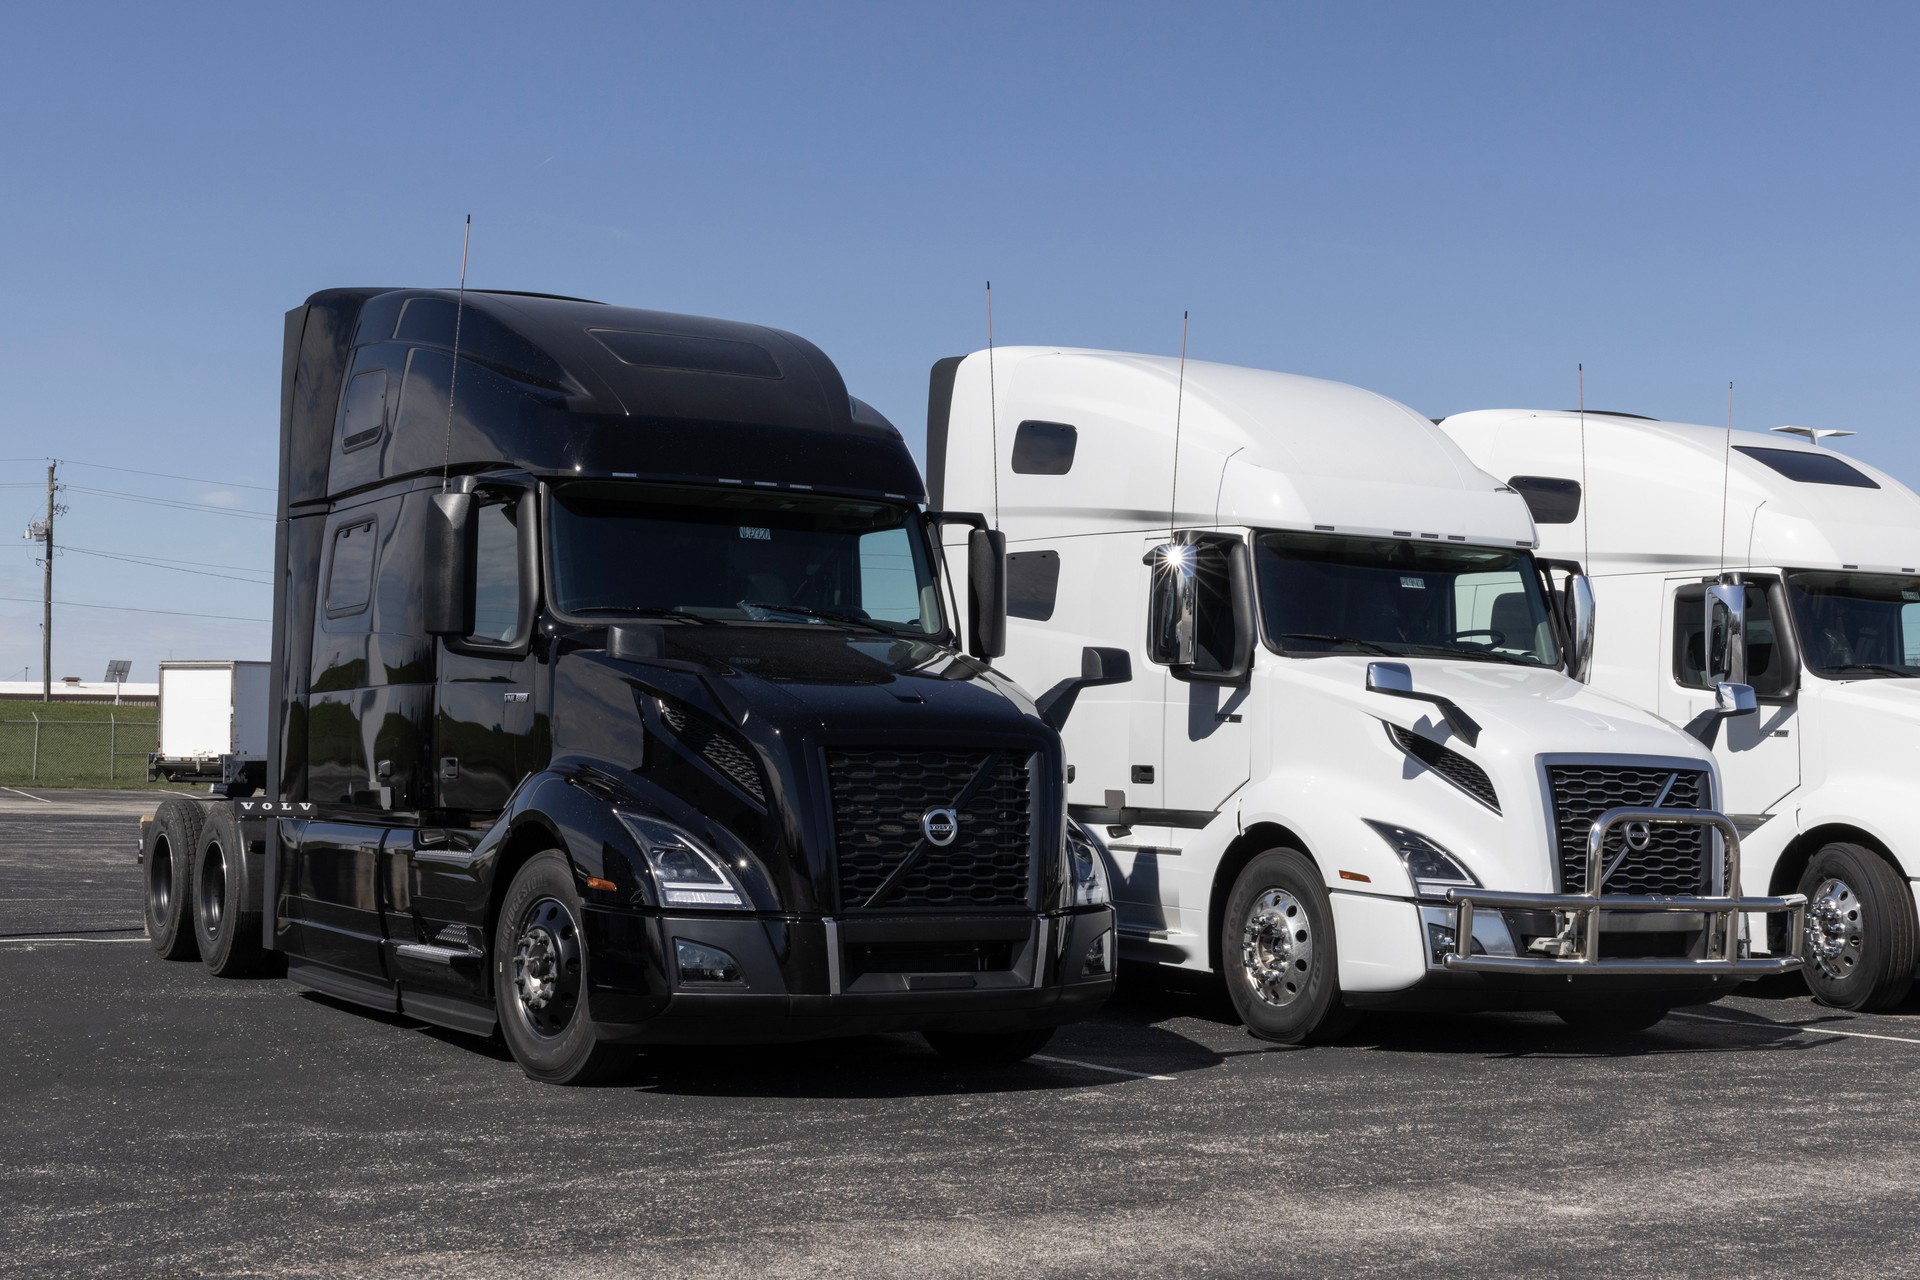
(1355, 875)
(595, 882)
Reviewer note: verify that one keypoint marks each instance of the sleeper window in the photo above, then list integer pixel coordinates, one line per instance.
(350, 575)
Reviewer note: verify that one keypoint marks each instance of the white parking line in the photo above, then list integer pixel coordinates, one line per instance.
(1094, 1066)
(41, 799)
(1797, 1026)
(27, 942)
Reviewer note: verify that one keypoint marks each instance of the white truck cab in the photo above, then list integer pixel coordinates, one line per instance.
(1350, 769)
(1809, 564)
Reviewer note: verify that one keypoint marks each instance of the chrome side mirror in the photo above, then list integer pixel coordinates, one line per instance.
(1580, 628)
(1389, 677)
(1727, 631)
(1733, 699)
(1173, 603)
(1395, 679)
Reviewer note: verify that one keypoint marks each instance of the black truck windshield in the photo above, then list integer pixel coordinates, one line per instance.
(1857, 625)
(1330, 594)
(630, 549)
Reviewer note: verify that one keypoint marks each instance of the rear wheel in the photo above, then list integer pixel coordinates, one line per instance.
(1861, 942)
(540, 967)
(167, 867)
(1278, 950)
(987, 1049)
(226, 921)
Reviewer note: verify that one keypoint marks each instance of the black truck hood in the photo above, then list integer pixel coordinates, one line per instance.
(735, 726)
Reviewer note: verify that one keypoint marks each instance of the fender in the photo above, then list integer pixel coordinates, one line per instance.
(1871, 804)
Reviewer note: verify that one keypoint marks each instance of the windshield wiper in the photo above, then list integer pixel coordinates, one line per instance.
(1368, 645)
(1471, 655)
(825, 615)
(650, 611)
(1878, 668)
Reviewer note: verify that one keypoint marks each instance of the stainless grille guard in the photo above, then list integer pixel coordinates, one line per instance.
(1723, 935)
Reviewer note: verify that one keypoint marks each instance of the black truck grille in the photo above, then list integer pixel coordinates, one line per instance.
(1675, 859)
(879, 798)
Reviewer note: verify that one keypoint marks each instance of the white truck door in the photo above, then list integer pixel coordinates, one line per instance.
(1208, 744)
(1758, 753)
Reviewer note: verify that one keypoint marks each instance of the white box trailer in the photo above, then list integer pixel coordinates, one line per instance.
(214, 719)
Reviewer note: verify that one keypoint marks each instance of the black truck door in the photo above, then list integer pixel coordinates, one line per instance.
(485, 732)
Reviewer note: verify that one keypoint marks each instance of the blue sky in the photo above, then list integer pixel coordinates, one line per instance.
(1449, 203)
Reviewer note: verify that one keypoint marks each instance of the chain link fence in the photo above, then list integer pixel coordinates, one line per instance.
(111, 750)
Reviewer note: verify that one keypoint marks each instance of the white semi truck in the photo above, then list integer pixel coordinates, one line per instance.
(214, 719)
(1763, 559)
(1351, 770)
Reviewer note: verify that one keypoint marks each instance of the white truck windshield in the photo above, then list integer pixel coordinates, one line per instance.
(645, 550)
(1333, 594)
(1857, 624)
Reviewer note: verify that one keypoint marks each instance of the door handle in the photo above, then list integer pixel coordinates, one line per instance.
(516, 696)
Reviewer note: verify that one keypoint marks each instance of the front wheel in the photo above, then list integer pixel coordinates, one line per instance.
(540, 965)
(1278, 950)
(1860, 947)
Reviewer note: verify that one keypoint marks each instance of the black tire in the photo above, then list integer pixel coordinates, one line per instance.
(1617, 1020)
(1279, 920)
(226, 917)
(540, 966)
(988, 1048)
(1861, 934)
(167, 877)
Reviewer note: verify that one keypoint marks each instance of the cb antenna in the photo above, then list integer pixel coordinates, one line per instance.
(1179, 401)
(1726, 469)
(993, 410)
(453, 378)
(1586, 490)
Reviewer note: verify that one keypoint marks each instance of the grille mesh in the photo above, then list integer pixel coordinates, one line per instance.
(1674, 861)
(878, 799)
(717, 747)
(1449, 764)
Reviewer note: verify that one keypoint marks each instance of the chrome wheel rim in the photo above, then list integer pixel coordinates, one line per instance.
(1834, 933)
(546, 967)
(1276, 948)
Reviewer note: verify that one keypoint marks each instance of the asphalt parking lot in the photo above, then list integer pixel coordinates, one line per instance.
(158, 1121)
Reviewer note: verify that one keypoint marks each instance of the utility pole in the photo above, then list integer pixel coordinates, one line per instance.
(41, 531)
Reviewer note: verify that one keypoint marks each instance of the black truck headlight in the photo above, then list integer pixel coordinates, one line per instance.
(1089, 871)
(1432, 869)
(685, 871)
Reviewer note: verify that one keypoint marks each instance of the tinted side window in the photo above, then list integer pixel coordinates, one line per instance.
(496, 573)
(1808, 467)
(350, 575)
(1550, 499)
(1033, 581)
(365, 420)
(1044, 448)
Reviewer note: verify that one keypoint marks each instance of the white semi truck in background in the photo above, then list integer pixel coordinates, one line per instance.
(1352, 769)
(1722, 555)
(214, 718)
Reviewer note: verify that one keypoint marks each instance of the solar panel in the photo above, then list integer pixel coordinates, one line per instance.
(117, 671)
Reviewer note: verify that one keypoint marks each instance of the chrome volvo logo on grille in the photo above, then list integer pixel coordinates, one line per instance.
(940, 826)
(1638, 835)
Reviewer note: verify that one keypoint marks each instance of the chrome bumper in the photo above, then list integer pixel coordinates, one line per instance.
(1580, 914)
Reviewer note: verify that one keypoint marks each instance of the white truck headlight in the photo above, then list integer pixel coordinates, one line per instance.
(685, 871)
(1432, 869)
(1088, 869)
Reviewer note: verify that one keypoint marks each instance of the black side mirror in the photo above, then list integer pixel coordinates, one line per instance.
(447, 570)
(1097, 667)
(986, 593)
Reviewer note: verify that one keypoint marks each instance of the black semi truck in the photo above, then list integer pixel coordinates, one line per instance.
(619, 698)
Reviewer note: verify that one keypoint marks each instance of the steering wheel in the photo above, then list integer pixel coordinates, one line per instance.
(1497, 638)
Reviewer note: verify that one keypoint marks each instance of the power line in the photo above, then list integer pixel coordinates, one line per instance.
(172, 568)
(161, 475)
(171, 502)
(163, 560)
(127, 608)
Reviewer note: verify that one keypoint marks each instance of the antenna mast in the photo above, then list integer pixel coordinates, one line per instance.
(993, 411)
(1726, 469)
(1179, 400)
(453, 378)
(1586, 493)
